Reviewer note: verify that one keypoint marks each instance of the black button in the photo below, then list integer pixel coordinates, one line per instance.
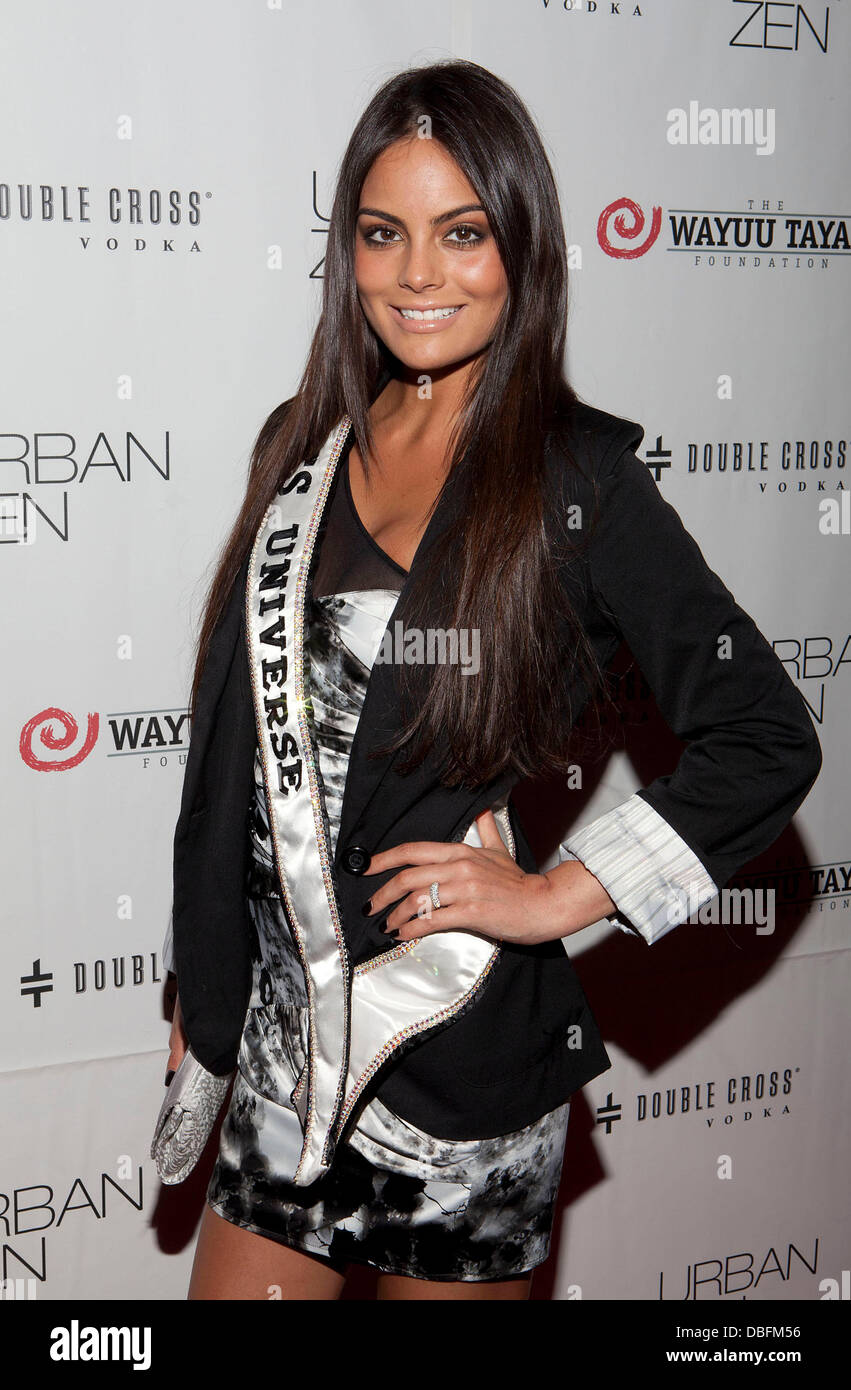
(356, 858)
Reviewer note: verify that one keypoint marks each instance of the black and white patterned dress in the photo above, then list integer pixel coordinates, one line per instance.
(411, 1204)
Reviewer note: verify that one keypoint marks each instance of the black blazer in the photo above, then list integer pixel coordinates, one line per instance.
(752, 755)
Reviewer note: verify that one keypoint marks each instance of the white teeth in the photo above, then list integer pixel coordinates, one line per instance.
(429, 315)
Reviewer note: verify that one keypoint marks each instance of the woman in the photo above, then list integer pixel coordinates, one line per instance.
(376, 952)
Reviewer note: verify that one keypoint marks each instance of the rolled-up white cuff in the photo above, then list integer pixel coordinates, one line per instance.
(647, 869)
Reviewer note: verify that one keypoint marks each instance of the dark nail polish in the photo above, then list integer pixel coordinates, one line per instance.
(367, 907)
(390, 931)
(169, 1074)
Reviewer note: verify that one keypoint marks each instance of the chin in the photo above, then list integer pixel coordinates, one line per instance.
(445, 362)
(429, 354)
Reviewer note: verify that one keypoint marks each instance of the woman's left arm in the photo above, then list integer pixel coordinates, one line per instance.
(752, 752)
(751, 757)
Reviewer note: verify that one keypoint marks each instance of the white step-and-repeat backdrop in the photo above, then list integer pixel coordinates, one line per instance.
(165, 182)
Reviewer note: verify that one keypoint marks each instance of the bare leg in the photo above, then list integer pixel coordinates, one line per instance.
(233, 1263)
(399, 1286)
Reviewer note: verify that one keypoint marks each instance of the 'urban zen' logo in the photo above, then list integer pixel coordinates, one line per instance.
(780, 24)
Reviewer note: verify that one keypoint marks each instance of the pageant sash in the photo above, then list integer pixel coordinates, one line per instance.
(358, 1017)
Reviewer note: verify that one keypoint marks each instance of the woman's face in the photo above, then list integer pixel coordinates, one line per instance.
(423, 244)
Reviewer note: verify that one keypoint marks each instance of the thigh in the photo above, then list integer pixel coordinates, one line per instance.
(398, 1286)
(234, 1263)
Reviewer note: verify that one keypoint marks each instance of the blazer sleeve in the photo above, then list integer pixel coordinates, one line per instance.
(752, 752)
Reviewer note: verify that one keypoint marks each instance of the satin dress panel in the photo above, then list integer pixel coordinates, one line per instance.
(412, 1204)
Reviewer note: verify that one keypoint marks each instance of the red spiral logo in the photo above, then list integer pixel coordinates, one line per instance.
(628, 220)
(41, 728)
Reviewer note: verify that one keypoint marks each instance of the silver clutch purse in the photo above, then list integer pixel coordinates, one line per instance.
(186, 1118)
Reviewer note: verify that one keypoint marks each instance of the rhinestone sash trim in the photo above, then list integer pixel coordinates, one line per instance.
(275, 598)
(356, 1018)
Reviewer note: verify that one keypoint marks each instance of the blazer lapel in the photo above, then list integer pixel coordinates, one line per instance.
(380, 717)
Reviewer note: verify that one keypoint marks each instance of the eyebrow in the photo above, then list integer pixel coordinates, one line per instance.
(435, 221)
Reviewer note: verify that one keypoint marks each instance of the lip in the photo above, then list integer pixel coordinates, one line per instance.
(425, 325)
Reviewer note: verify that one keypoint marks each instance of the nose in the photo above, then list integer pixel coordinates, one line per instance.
(421, 267)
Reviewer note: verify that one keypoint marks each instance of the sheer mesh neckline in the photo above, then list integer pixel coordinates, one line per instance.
(350, 560)
(367, 535)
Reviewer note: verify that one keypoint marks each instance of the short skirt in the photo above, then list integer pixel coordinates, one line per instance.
(413, 1204)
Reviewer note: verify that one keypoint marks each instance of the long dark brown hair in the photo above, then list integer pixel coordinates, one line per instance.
(495, 567)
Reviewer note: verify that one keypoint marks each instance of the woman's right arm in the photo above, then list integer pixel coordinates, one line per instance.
(178, 1041)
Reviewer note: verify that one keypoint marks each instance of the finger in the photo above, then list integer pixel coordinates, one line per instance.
(414, 911)
(415, 927)
(465, 902)
(409, 882)
(454, 917)
(489, 832)
(417, 907)
(418, 878)
(414, 852)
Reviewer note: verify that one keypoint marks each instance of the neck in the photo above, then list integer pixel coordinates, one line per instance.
(406, 411)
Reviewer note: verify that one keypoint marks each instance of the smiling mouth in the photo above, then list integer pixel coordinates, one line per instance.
(428, 315)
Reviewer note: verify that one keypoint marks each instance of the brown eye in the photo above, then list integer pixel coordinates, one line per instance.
(472, 235)
(370, 236)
